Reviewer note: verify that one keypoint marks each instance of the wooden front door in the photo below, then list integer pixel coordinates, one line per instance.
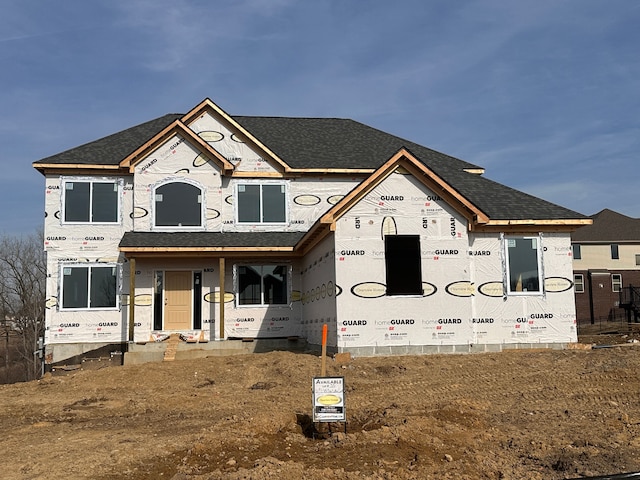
(177, 300)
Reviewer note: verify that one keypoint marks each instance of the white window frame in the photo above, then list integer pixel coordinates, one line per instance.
(119, 182)
(90, 267)
(616, 280)
(579, 283)
(507, 241)
(178, 227)
(261, 183)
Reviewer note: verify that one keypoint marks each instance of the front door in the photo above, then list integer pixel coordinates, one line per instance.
(177, 300)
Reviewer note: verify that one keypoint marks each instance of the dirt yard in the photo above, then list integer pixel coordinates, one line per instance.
(511, 415)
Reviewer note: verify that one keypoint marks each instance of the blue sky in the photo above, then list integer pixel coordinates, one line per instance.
(544, 95)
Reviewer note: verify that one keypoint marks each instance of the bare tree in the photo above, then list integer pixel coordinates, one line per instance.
(22, 297)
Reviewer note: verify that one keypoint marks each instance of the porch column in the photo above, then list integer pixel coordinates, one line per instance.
(221, 297)
(132, 296)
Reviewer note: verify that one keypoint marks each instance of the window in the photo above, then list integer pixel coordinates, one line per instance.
(577, 253)
(158, 299)
(578, 282)
(178, 204)
(403, 264)
(262, 284)
(261, 203)
(523, 265)
(92, 287)
(91, 201)
(614, 251)
(637, 259)
(616, 282)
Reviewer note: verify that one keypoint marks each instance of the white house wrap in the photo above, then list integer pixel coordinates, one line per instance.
(397, 248)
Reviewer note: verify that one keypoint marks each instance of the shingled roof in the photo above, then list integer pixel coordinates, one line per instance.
(608, 227)
(338, 143)
(112, 149)
(172, 240)
(334, 143)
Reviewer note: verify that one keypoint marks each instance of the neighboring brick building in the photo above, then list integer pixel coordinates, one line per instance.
(606, 260)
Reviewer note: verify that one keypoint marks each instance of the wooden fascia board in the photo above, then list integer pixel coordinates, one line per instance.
(334, 213)
(237, 174)
(225, 165)
(199, 254)
(63, 168)
(301, 174)
(198, 110)
(574, 223)
(513, 229)
(205, 250)
(207, 104)
(136, 156)
(430, 179)
(331, 171)
(606, 242)
(175, 128)
(313, 236)
(433, 181)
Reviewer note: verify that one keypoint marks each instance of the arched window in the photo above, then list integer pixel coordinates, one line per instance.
(178, 204)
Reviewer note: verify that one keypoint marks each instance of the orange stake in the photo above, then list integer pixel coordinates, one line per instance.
(323, 372)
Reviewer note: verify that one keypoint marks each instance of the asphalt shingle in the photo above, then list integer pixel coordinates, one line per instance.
(333, 143)
(112, 149)
(210, 239)
(609, 227)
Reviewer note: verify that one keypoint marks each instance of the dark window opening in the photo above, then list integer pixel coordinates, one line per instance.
(89, 287)
(403, 264)
(91, 202)
(262, 285)
(197, 300)
(178, 204)
(158, 301)
(615, 255)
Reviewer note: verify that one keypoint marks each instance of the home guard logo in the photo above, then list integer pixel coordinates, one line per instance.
(147, 165)
(354, 323)
(351, 252)
(482, 320)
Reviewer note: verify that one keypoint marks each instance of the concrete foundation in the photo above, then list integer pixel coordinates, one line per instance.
(137, 353)
(441, 349)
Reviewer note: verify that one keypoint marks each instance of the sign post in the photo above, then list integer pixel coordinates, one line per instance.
(328, 393)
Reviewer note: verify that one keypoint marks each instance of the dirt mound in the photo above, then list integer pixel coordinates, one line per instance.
(510, 415)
